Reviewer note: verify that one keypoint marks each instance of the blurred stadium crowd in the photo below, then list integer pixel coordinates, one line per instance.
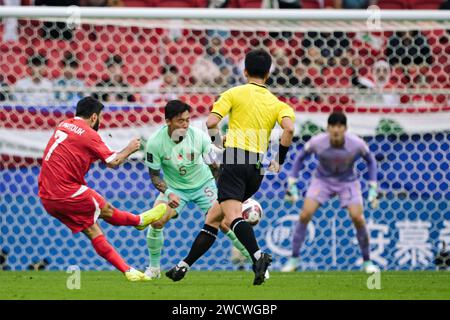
(44, 63)
(288, 4)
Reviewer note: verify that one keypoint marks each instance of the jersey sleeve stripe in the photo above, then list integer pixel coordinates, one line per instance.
(111, 158)
(216, 113)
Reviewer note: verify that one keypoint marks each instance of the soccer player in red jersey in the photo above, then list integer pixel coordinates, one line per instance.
(71, 150)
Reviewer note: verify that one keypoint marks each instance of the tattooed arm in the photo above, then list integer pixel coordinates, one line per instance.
(215, 169)
(157, 181)
(161, 186)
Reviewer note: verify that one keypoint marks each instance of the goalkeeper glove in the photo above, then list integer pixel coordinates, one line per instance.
(372, 198)
(291, 191)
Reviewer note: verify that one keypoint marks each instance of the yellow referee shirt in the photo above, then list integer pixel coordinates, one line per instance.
(253, 111)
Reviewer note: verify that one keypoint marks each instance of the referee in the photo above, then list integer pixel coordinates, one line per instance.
(253, 112)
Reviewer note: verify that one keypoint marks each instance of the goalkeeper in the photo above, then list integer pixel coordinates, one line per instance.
(337, 151)
(183, 153)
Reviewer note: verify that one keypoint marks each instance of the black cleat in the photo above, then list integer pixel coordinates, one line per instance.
(176, 273)
(260, 268)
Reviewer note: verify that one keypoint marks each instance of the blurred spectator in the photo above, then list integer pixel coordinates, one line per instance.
(57, 30)
(353, 4)
(217, 4)
(302, 80)
(378, 80)
(4, 89)
(10, 32)
(167, 81)
(215, 68)
(282, 4)
(326, 47)
(3, 259)
(68, 87)
(445, 5)
(229, 73)
(102, 3)
(114, 79)
(281, 70)
(289, 4)
(204, 72)
(408, 47)
(35, 89)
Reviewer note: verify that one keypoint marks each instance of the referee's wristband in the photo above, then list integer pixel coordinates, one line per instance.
(168, 192)
(282, 152)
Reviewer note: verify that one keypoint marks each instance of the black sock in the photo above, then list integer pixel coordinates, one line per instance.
(244, 232)
(202, 243)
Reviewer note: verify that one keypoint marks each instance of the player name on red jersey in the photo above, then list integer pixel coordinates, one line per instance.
(72, 127)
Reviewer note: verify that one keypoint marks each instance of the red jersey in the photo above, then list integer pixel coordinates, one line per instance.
(68, 156)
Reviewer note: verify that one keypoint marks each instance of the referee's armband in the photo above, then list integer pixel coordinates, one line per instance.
(282, 152)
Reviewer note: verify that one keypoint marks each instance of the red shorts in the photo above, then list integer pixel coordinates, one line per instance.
(77, 213)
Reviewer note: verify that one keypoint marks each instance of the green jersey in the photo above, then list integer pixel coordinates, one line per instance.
(182, 163)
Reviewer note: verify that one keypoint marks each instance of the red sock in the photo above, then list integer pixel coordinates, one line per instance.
(106, 251)
(123, 218)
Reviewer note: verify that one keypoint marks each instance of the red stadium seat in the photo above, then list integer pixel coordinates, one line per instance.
(393, 4)
(248, 4)
(315, 4)
(425, 4)
(137, 3)
(179, 3)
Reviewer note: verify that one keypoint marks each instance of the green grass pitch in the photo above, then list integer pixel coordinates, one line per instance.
(227, 285)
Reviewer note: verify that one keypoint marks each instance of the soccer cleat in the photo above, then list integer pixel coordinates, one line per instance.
(369, 267)
(291, 265)
(134, 275)
(260, 268)
(266, 275)
(152, 215)
(153, 273)
(177, 273)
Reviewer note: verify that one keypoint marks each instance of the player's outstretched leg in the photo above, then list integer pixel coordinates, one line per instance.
(106, 251)
(309, 208)
(356, 213)
(117, 217)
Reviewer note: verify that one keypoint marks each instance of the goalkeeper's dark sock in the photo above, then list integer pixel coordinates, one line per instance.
(299, 238)
(244, 232)
(205, 239)
(363, 240)
(123, 218)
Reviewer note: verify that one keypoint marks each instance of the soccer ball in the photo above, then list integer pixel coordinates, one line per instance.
(251, 211)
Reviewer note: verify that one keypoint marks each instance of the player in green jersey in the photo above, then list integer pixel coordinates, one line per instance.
(187, 158)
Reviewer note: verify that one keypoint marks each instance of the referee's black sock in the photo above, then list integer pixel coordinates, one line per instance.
(244, 232)
(202, 243)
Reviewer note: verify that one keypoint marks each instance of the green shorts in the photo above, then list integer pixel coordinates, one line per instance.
(204, 196)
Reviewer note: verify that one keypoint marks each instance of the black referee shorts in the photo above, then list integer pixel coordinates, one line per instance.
(240, 175)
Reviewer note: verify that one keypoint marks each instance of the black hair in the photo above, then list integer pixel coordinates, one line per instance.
(336, 118)
(257, 63)
(169, 69)
(37, 60)
(174, 108)
(87, 106)
(114, 60)
(69, 60)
